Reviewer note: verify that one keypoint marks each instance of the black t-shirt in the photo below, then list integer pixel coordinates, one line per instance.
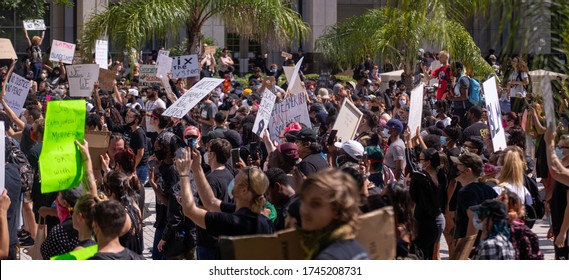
(558, 204)
(125, 254)
(476, 129)
(312, 163)
(343, 250)
(470, 195)
(426, 195)
(26, 142)
(137, 140)
(282, 213)
(242, 222)
(14, 190)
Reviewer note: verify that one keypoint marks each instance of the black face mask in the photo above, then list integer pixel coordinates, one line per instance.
(160, 154)
(131, 123)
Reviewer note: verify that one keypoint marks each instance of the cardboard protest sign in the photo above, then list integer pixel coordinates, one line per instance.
(185, 66)
(168, 88)
(62, 51)
(291, 109)
(98, 144)
(34, 24)
(106, 78)
(264, 112)
(294, 76)
(416, 109)
(164, 52)
(463, 248)
(348, 121)
(102, 53)
(6, 49)
(60, 160)
(295, 88)
(17, 90)
(163, 65)
(286, 55)
(192, 97)
(376, 234)
(494, 115)
(548, 105)
(2, 157)
(148, 75)
(82, 78)
(210, 50)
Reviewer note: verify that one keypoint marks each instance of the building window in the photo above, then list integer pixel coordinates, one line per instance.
(232, 44)
(12, 27)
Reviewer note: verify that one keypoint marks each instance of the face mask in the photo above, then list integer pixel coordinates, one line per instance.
(206, 157)
(443, 141)
(230, 188)
(478, 225)
(403, 102)
(435, 113)
(386, 132)
(160, 154)
(193, 143)
(420, 165)
(463, 150)
(43, 76)
(144, 98)
(130, 123)
(339, 160)
(62, 212)
(274, 70)
(559, 153)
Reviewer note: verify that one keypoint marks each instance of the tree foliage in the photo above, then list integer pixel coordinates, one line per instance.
(31, 9)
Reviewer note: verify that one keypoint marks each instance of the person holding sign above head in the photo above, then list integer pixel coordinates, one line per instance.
(35, 49)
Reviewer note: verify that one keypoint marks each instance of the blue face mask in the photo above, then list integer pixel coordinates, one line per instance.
(192, 144)
(230, 188)
(386, 132)
(559, 153)
(443, 141)
(477, 223)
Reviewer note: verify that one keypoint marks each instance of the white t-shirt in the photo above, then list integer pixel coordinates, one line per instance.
(521, 191)
(151, 105)
(514, 89)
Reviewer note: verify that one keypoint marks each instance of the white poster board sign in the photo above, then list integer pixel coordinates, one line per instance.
(17, 90)
(82, 78)
(494, 115)
(2, 157)
(548, 105)
(348, 121)
(185, 66)
(292, 109)
(294, 76)
(295, 88)
(147, 75)
(163, 52)
(102, 53)
(265, 112)
(34, 24)
(62, 51)
(163, 65)
(192, 97)
(416, 109)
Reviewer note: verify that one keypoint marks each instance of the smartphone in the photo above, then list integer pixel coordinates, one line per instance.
(332, 137)
(235, 156)
(253, 150)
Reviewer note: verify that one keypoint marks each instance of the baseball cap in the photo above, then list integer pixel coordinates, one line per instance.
(247, 91)
(352, 147)
(233, 137)
(492, 208)
(394, 124)
(470, 160)
(306, 134)
(72, 195)
(289, 152)
(133, 92)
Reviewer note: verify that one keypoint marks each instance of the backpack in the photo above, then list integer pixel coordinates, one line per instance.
(16, 156)
(475, 94)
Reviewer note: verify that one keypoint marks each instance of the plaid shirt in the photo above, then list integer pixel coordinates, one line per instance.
(495, 248)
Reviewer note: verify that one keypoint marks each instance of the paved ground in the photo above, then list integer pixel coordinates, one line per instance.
(541, 227)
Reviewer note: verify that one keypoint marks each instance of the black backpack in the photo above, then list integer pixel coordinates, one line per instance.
(16, 156)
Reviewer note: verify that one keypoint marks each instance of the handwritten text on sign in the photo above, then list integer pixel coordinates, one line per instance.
(62, 51)
(185, 66)
(34, 24)
(60, 160)
(192, 97)
(494, 115)
(148, 75)
(291, 109)
(16, 93)
(82, 78)
(102, 53)
(264, 113)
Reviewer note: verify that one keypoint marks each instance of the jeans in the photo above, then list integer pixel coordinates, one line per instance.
(207, 253)
(142, 173)
(156, 255)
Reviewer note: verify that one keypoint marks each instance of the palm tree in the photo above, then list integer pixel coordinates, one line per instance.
(130, 23)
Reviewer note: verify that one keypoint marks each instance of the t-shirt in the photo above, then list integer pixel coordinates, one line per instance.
(242, 222)
(463, 83)
(444, 75)
(125, 254)
(207, 113)
(312, 163)
(475, 129)
(150, 106)
(26, 142)
(137, 140)
(395, 152)
(558, 204)
(518, 77)
(343, 250)
(470, 195)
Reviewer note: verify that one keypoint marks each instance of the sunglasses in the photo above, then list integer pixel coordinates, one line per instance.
(190, 137)
(563, 147)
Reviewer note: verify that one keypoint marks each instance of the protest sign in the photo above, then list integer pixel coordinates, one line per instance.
(6, 49)
(34, 24)
(82, 78)
(348, 121)
(163, 52)
(210, 50)
(17, 90)
(102, 53)
(60, 160)
(2, 157)
(294, 76)
(148, 75)
(295, 88)
(192, 97)
(494, 115)
(324, 78)
(163, 65)
(264, 112)
(292, 109)
(548, 105)
(286, 55)
(98, 144)
(376, 235)
(106, 78)
(62, 51)
(416, 109)
(185, 66)
(168, 88)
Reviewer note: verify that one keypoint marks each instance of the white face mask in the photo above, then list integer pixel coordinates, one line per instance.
(206, 158)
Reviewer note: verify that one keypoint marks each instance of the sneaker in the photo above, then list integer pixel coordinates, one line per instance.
(23, 235)
(27, 242)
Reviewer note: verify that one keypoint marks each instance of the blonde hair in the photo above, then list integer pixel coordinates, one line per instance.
(514, 166)
(36, 40)
(257, 183)
(340, 190)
